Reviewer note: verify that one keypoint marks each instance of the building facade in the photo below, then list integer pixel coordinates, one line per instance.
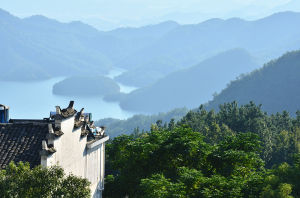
(67, 138)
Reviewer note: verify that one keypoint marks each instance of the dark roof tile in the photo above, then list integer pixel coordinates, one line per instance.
(21, 142)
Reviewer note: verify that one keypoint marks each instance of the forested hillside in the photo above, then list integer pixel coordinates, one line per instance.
(138, 123)
(276, 86)
(237, 152)
(190, 87)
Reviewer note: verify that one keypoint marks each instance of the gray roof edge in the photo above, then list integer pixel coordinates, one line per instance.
(93, 144)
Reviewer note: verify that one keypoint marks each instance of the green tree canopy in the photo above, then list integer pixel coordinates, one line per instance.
(18, 180)
(229, 153)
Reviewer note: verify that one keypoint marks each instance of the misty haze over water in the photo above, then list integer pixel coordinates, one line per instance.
(35, 100)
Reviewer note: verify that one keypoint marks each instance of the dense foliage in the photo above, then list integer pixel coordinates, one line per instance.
(276, 85)
(18, 180)
(236, 152)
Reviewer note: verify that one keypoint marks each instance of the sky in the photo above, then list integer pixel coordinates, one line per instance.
(107, 14)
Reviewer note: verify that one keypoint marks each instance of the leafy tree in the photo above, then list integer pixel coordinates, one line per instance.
(232, 119)
(178, 163)
(18, 180)
(157, 151)
(159, 186)
(283, 180)
(228, 153)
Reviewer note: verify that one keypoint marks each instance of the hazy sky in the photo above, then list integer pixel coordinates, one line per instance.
(138, 12)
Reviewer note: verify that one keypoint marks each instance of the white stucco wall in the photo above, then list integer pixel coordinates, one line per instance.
(75, 157)
(95, 159)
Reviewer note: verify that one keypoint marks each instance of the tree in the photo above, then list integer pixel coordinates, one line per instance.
(179, 163)
(210, 154)
(160, 187)
(18, 180)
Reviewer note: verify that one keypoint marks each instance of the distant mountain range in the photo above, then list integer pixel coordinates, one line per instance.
(190, 87)
(37, 47)
(187, 45)
(275, 86)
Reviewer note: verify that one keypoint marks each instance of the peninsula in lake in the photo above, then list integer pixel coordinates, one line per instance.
(86, 86)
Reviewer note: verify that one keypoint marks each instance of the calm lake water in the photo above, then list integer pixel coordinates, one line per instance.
(34, 100)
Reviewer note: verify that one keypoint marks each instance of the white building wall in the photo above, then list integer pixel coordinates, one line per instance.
(70, 149)
(102, 165)
(96, 159)
(73, 155)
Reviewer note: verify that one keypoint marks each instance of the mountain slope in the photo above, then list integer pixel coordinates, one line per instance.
(276, 86)
(115, 127)
(190, 87)
(187, 45)
(38, 47)
(136, 39)
(144, 33)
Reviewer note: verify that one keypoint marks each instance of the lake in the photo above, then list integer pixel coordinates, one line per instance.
(34, 100)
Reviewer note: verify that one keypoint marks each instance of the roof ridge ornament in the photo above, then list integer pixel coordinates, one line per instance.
(44, 145)
(71, 104)
(65, 113)
(54, 132)
(58, 110)
(50, 128)
(46, 150)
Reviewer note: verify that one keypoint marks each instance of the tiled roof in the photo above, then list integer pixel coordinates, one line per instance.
(26, 140)
(22, 142)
